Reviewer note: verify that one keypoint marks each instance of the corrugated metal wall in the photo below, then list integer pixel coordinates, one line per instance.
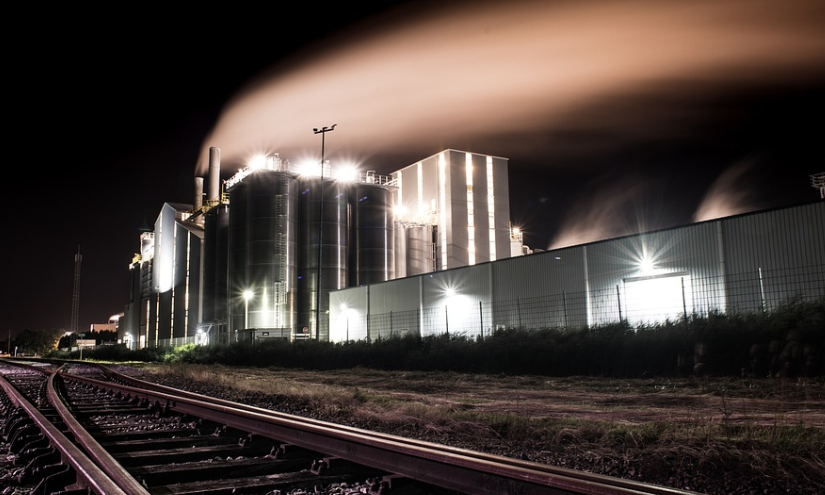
(774, 257)
(744, 263)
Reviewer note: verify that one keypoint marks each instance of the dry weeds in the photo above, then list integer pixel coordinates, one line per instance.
(713, 435)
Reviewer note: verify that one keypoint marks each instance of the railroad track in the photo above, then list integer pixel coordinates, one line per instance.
(82, 428)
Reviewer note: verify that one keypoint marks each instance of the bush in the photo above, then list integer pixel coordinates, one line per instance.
(787, 342)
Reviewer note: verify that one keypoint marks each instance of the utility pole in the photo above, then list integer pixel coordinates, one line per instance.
(322, 131)
(78, 258)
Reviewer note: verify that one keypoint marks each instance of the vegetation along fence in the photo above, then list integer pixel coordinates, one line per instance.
(659, 301)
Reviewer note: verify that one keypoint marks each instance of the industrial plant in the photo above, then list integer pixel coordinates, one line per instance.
(326, 252)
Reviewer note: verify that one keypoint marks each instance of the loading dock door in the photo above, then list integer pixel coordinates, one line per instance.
(656, 298)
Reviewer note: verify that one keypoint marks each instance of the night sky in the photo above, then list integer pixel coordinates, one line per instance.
(616, 116)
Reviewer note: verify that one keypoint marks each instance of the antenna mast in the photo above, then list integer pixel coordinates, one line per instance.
(78, 258)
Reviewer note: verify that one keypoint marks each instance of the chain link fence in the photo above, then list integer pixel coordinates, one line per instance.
(663, 299)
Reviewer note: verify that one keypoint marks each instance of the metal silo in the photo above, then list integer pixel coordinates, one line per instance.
(372, 255)
(400, 250)
(333, 255)
(236, 259)
(272, 218)
(420, 249)
(263, 253)
(216, 227)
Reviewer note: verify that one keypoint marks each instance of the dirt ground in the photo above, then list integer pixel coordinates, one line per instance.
(687, 401)
(716, 436)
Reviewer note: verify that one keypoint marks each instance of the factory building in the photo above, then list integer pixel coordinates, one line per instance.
(165, 282)
(282, 251)
(743, 263)
(259, 258)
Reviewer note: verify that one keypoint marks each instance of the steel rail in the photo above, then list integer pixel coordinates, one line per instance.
(105, 462)
(447, 467)
(552, 470)
(88, 474)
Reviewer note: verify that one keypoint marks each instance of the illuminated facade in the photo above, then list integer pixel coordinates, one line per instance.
(164, 306)
(260, 257)
(464, 198)
(744, 263)
(428, 249)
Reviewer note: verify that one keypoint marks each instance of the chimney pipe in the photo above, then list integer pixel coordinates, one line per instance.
(198, 193)
(198, 200)
(214, 174)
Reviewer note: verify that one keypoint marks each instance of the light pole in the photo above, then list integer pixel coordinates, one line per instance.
(247, 295)
(323, 132)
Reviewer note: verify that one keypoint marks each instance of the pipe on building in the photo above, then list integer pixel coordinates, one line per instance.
(214, 174)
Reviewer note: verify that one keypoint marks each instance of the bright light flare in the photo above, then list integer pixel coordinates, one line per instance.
(257, 162)
(346, 172)
(646, 265)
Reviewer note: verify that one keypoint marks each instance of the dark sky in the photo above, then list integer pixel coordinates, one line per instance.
(616, 116)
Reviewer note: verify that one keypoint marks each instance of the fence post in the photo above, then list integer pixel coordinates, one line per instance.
(684, 303)
(761, 291)
(480, 320)
(447, 319)
(564, 305)
(619, 301)
(518, 310)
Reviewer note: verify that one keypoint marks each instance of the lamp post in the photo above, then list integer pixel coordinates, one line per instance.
(323, 132)
(247, 295)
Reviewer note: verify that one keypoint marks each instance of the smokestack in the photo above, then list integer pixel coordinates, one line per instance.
(198, 200)
(198, 193)
(214, 174)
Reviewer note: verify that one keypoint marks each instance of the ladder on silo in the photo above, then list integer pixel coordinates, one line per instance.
(281, 253)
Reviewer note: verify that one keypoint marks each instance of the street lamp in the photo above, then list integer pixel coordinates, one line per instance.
(323, 132)
(247, 295)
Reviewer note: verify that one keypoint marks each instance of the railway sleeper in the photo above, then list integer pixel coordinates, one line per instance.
(133, 430)
(143, 444)
(216, 470)
(188, 454)
(288, 482)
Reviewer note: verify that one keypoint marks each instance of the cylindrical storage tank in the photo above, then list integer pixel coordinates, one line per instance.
(215, 239)
(372, 255)
(400, 250)
(420, 249)
(236, 259)
(333, 274)
(272, 221)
